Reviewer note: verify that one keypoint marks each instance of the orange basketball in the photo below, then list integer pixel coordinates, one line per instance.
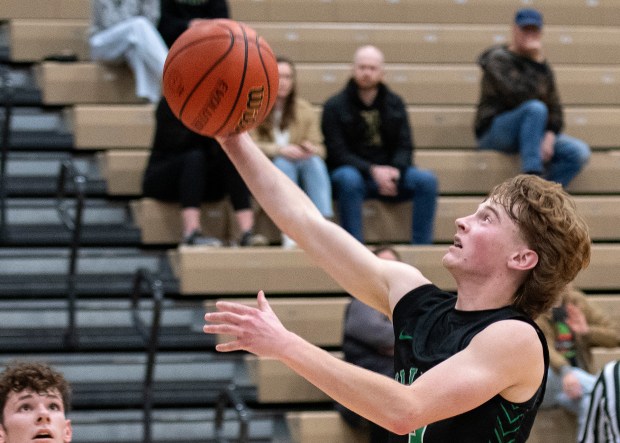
(220, 77)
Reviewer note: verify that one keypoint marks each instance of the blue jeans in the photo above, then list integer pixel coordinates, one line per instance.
(310, 175)
(521, 130)
(351, 188)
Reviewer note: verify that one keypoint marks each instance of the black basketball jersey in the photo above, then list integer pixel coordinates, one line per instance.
(428, 331)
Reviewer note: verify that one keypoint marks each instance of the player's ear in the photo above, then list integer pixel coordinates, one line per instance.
(68, 432)
(523, 260)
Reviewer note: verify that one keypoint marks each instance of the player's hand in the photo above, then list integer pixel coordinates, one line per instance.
(256, 330)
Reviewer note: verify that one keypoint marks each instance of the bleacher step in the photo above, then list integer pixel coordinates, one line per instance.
(38, 128)
(172, 425)
(100, 325)
(38, 222)
(115, 379)
(42, 272)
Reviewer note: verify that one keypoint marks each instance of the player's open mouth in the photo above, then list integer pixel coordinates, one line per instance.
(457, 243)
(43, 435)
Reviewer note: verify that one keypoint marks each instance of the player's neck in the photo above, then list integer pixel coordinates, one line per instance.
(482, 294)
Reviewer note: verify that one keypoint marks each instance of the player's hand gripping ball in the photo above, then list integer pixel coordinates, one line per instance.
(220, 77)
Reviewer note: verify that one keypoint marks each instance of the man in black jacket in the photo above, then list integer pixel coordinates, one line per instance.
(370, 149)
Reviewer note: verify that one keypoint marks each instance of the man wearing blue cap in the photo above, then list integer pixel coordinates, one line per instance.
(520, 110)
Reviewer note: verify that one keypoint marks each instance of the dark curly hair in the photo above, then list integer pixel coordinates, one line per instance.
(38, 377)
(549, 223)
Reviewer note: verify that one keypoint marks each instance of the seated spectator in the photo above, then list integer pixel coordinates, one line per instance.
(126, 31)
(292, 138)
(572, 328)
(519, 109)
(370, 147)
(369, 342)
(34, 399)
(602, 423)
(190, 169)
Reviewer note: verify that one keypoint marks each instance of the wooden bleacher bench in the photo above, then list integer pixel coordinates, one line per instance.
(276, 383)
(32, 40)
(335, 42)
(433, 43)
(573, 12)
(160, 222)
(321, 427)
(312, 426)
(85, 82)
(419, 84)
(113, 126)
(209, 270)
(122, 170)
(45, 9)
(451, 127)
(318, 320)
(476, 172)
(434, 127)
(457, 84)
(383, 222)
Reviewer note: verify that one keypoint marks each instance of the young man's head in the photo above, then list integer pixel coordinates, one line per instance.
(368, 67)
(527, 33)
(548, 223)
(33, 401)
(526, 236)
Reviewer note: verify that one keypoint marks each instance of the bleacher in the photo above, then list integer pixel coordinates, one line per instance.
(65, 109)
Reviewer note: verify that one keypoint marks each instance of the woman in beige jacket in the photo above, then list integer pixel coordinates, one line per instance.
(291, 137)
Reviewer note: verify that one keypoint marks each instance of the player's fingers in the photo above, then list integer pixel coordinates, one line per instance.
(222, 329)
(236, 308)
(263, 304)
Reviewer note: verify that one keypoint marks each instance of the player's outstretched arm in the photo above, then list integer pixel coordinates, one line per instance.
(350, 263)
(259, 331)
(504, 359)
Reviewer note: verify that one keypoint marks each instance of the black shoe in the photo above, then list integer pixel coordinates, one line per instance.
(250, 239)
(197, 239)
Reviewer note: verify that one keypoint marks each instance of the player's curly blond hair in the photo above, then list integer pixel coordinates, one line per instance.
(39, 377)
(550, 225)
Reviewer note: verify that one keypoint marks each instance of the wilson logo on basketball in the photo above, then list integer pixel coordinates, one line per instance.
(253, 105)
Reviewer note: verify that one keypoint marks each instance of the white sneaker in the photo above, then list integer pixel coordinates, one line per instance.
(288, 242)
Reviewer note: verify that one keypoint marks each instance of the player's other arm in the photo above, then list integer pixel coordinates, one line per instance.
(350, 263)
(504, 359)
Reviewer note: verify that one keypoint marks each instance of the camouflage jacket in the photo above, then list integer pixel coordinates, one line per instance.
(508, 80)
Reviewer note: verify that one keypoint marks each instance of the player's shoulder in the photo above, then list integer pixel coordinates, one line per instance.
(513, 333)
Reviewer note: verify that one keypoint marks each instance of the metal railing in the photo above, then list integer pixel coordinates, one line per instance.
(68, 173)
(230, 396)
(155, 288)
(6, 98)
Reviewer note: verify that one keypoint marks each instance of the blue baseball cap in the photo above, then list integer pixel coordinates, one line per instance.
(528, 17)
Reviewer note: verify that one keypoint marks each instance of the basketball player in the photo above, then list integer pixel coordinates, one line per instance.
(468, 367)
(33, 401)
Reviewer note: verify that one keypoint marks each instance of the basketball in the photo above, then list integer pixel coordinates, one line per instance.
(220, 77)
